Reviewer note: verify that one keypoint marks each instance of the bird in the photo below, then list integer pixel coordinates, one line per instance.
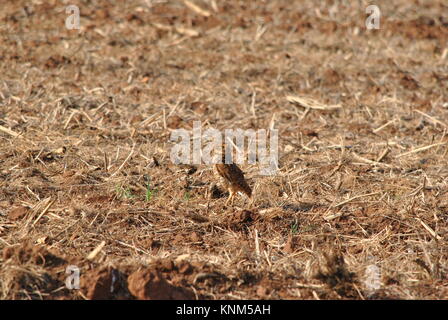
(232, 178)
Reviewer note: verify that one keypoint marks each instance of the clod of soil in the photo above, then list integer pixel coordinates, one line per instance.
(335, 274)
(30, 253)
(151, 285)
(18, 213)
(242, 219)
(98, 284)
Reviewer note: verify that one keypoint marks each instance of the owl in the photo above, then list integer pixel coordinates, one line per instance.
(233, 179)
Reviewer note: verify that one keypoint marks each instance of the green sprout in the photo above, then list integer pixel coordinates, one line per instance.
(149, 193)
(123, 192)
(295, 227)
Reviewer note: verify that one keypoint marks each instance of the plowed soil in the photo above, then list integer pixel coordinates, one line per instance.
(358, 208)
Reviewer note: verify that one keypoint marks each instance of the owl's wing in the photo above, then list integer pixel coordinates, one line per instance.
(235, 177)
(230, 172)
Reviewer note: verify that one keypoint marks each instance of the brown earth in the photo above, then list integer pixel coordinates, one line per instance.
(86, 178)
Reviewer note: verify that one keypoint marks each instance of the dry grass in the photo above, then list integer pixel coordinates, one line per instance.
(86, 117)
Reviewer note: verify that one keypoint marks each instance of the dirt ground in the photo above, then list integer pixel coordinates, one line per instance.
(357, 210)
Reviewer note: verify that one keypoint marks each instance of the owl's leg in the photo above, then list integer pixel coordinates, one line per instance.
(231, 196)
(251, 201)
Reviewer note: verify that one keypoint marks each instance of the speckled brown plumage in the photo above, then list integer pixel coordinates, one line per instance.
(232, 179)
